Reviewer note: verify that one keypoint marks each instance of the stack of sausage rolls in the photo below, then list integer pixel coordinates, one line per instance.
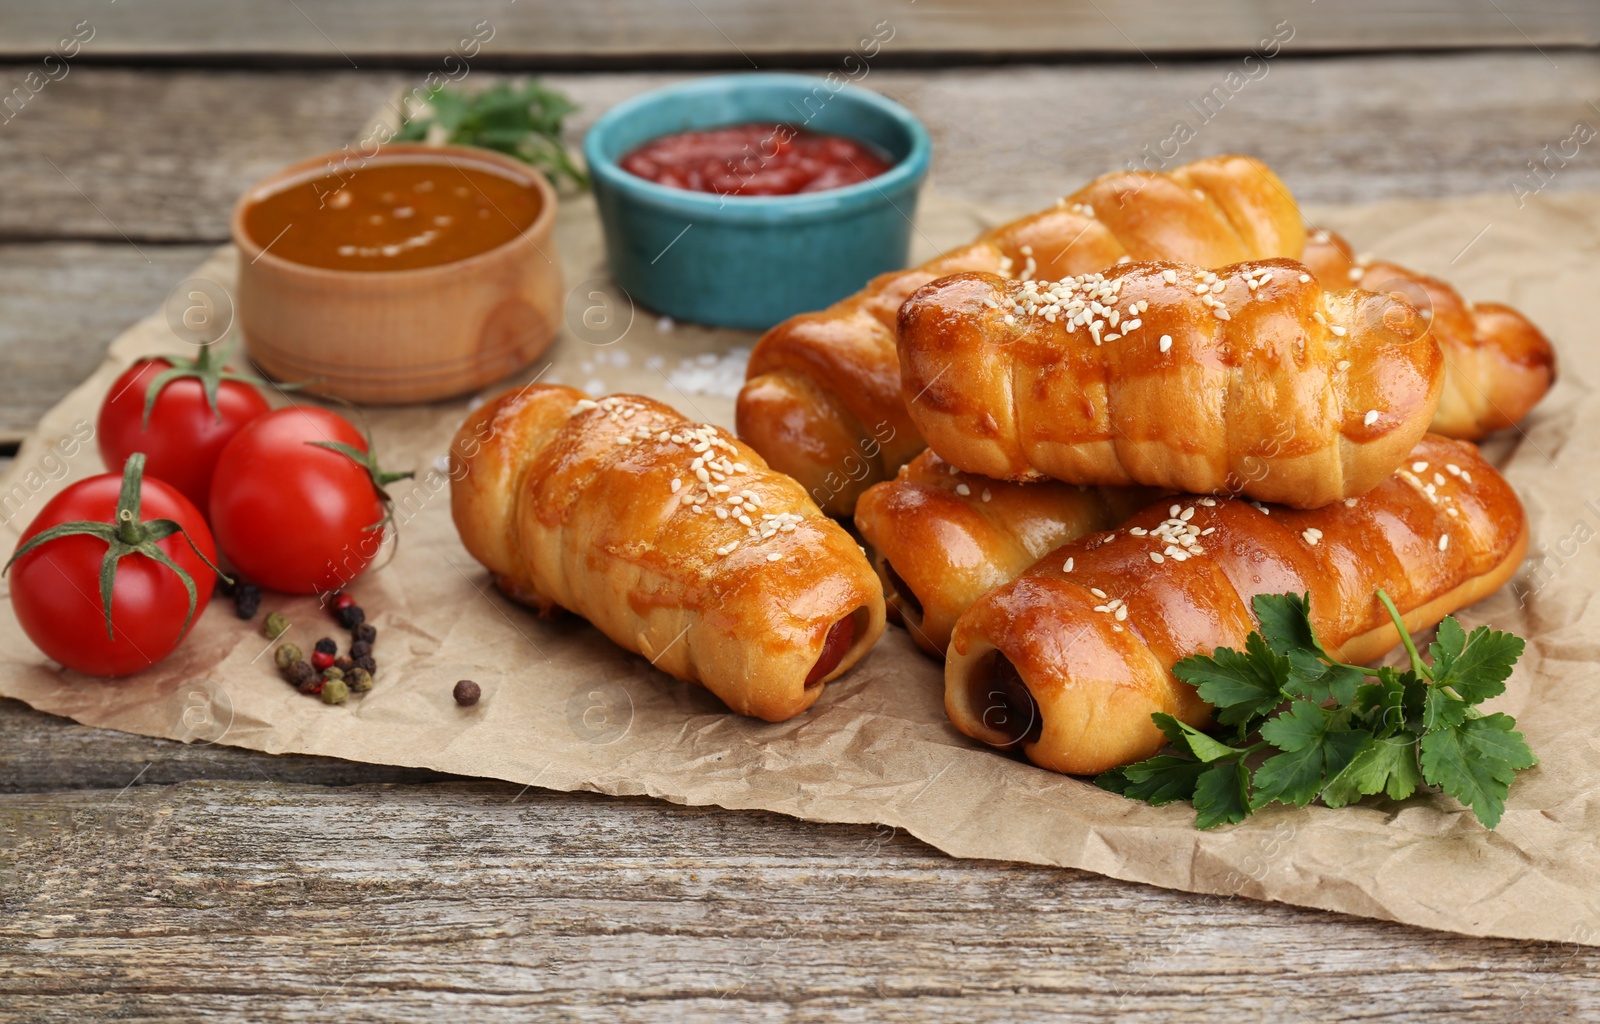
(1089, 439)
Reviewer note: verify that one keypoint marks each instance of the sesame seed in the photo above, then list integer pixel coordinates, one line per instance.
(1420, 467)
(1068, 566)
(1187, 514)
(1452, 511)
(1452, 469)
(1097, 592)
(1174, 510)
(676, 484)
(1371, 417)
(773, 556)
(1444, 542)
(1122, 613)
(1350, 502)
(1169, 276)
(986, 494)
(1338, 332)
(585, 404)
(1166, 342)
(1305, 278)
(1155, 556)
(963, 490)
(1312, 535)
(1438, 478)
(1102, 608)
(1342, 365)
(1318, 317)
(1355, 273)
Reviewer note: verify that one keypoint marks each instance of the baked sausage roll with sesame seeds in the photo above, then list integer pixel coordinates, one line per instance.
(1498, 365)
(821, 399)
(1247, 380)
(940, 538)
(671, 537)
(1069, 660)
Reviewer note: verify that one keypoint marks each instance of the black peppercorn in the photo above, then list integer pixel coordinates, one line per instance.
(327, 646)
(299, 673)
(358, 679)
(367, 663)
(351, 617)
(367, 633)
(246, 600)
(360, 649)
(343, 664)
(466, 693)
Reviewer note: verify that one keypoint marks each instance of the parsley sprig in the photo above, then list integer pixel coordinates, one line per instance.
(521, 121)
(1297, 725)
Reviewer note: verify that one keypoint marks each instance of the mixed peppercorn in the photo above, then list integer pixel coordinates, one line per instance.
(325, 674)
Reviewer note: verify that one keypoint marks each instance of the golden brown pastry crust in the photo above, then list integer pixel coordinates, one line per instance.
(671, 537)
(1498, 365)
(1248, 380)
(940, 538)
(1095, 646)
(822, 395)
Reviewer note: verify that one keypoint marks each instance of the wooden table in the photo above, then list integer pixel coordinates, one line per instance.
(147, 880)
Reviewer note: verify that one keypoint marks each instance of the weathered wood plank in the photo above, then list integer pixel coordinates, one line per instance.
(59, 306)
(108, 153)
(44, 753)
(477, 901)
(733, 32)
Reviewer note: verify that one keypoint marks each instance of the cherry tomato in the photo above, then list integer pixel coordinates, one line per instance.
(293, 516)
(185, 432)
(55, 587)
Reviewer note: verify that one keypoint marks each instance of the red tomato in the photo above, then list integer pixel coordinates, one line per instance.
(185, 434)
(290, 515)
(55, 588)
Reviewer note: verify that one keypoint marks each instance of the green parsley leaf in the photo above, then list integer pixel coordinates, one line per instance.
(1222, 795)
(1386, 766)
(1482, 667)
(1158, 781)
(1442, 709)
(1314, 746)
(1191, 740)
(1476, 762)
(1240, 686)
(1286, 622)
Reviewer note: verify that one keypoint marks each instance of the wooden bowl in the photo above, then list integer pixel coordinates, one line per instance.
(394, 336)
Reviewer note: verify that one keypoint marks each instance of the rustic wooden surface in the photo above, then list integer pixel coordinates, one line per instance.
(147, 880)
(739, 33)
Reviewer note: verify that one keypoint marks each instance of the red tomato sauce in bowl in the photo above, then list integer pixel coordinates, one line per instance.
(755, 160)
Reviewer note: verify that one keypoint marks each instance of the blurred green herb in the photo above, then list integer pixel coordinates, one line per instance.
(1299, 725)
(521, 121)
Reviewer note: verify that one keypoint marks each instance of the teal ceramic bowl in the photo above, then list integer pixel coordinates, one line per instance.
(751, 261)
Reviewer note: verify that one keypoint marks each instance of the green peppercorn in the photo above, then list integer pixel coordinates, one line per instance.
(275, 626)
(286, 655)
(334, 691)
(358, 679)
(332, 672)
